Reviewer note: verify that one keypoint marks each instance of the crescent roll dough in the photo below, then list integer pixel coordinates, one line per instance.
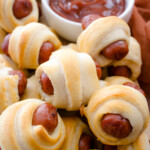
(5, 60)
(101, 33)
(73, 76)
(118, 99)
(2, 36)
(74, 129)
(7, 19)
(132, 60)
(8, 88)
(26, 41)
(31, 91)
(141, 143)
(71, 45)
(116, 80)
(18, 133)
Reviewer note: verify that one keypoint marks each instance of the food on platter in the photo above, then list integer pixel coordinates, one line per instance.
(82, 95)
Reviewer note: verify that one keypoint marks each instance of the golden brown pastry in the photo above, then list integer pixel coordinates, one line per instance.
(31, 90)
(68, 79)
(117, 114)
(141, 143)
(26, 43)
(132, 61)
(76, 133)
(8, 88)
(102, 33)
(12, 86)
(21, 126)
(2, 35)
(14, 13)
(7, 62)
(71, 45)
(117, 80)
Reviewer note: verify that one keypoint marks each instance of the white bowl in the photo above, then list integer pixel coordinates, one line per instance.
(70, 30)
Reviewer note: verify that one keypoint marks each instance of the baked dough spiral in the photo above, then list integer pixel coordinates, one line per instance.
(133, 59)
(73, 76)
(141, 143)
(18, 133)
(117, 80)
(25, 43)
(7, 19)
(117, 99)
(74, 129)
(101, 33)
(31, 91)
(8, 88)
(7, 61)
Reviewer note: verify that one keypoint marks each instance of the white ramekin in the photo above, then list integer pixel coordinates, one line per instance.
(70, 30)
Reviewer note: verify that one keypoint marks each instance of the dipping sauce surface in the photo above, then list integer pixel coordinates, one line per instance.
(75, 10)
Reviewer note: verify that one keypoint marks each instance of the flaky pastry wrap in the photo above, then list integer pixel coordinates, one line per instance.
(25, 43)
(125, 104)
(75, 128)
(101, 33)
(73, 77)
(7, 19)
(19, 133)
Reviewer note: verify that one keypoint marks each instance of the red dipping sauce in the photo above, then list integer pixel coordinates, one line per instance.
(75, 10)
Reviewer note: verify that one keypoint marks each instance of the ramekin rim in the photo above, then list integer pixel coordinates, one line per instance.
(123, 14)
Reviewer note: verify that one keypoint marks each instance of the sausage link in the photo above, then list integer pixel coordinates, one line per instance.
(5, 45)
(116, 126)
(46, 84)
(98, 69)
(22, 8)
(22, 80)
(109, 147)
(46, 115)
(119, 71)
(116, 50)
(45, 51)
(87, 20)
(135, 87)
(85, 142)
